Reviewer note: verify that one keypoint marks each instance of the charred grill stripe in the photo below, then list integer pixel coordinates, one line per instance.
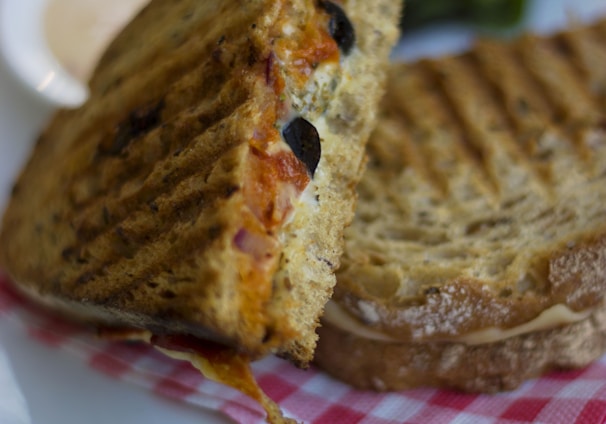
(121, 203)
(562, 88)
(445, 78)
(509, 109)
(163, 57)
(173, 226)
(434, 125)
(587, 46)
(140, 156)
(174, 170)
(421, 120)
(128, 227)
(177, 67)
(417, 123)
(527, 109)
(483, 113)
(130, 274)
(83, 135)
(529, 104)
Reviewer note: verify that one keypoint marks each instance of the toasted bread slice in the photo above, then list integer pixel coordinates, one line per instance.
(203, 188)
(478, 251)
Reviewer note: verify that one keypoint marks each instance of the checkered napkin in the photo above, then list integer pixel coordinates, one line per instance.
(311, 396)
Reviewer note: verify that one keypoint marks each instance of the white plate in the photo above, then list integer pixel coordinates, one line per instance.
(59, 388)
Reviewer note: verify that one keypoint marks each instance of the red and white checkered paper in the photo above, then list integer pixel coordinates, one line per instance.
(310, 395)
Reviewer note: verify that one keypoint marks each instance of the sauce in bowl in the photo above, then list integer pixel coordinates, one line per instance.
(52, 46)
(77, 31)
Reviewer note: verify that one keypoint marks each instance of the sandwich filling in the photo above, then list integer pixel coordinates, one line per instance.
(216, 362)
(552, 317)
(300, 75)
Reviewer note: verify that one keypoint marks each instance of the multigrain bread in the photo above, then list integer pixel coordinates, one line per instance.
(477, 257)
(203, 188)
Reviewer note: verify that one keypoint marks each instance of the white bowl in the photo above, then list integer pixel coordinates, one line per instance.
(27, 54)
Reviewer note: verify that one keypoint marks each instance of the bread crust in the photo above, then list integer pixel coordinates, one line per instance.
(486, 368)
(574, 278)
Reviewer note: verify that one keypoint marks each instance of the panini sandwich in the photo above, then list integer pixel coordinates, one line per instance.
(201, 192)
(477, 258)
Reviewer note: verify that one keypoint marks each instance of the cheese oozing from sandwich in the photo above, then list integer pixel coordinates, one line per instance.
(552, 317)
(217, 363)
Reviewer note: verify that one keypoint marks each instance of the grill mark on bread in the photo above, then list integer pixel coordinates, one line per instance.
(99, 233)
(139, 122)
(160, 54)
(587, 45)
(178, 252)
(556, 76)
(86, 128)
(176, 129)
(432, 125)
(574, 105)
(181, 75)
(553, 137)
(405, 146)
(413, 149)
(135, 272)
(525, 105)
(142, 164)
(112, 211)
(587, 49)
(444, 73)
(172, 208)
(127, 244)
(590, 54)
(527, 109)
(489, 124)
(102, 230)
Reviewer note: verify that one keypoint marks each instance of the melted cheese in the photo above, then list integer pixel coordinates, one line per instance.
(233, 369)
(77, 31)
(220, 364)
(549, 318)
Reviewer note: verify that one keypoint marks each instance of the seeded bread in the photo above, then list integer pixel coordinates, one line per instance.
(171, 201)
(482, 210)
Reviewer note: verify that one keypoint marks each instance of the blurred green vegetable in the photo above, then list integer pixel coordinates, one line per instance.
(492, 14)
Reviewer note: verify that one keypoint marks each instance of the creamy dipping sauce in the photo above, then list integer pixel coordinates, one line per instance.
(77, 31)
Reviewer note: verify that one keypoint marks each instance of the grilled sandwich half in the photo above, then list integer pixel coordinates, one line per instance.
(477, 257)
(202, 190)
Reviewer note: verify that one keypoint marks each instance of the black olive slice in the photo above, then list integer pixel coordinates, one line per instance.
(304, 140)
(340, 27)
